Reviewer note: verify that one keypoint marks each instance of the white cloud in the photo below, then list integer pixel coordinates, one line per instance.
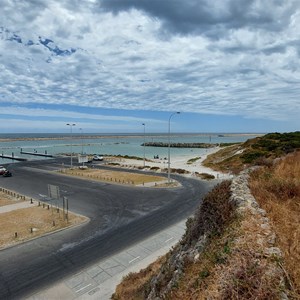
(19, 125)
(66, 115)
(216, 58)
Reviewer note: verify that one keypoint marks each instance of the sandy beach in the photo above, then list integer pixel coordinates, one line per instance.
(177, 162)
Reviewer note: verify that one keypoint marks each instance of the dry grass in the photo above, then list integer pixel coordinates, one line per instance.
(232, 265)
(7, 199)
(114, 176)
(226, 159)
(277, 189)
(133, 285)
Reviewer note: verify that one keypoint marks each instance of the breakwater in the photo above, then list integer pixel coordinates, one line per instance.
(180, 145)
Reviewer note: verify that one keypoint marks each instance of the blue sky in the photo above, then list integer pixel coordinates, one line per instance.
(111, 65)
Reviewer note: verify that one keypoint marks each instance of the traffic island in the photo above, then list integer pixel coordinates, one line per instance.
(118, 177)
(23, 219)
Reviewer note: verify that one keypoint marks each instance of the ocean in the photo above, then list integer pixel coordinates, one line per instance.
(108, 144)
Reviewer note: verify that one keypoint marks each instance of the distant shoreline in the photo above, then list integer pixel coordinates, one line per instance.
(10, 139)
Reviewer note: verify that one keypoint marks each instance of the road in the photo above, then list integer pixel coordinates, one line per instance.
(119, 216)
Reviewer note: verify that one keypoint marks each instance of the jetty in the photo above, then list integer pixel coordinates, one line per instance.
(36, 153)
(13, 157)
(180, 145)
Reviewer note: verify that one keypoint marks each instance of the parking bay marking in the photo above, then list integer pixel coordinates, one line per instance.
(83, 288)
(131, 261)
(168, 240)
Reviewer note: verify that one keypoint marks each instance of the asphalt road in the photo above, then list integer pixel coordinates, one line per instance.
(119, 216)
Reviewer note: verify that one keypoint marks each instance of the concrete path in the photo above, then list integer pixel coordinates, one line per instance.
(15, 206)
(100, 280)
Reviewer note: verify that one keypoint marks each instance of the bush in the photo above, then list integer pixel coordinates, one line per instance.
(212, 216)
(154, 168)
(205, 176)
(250, 157)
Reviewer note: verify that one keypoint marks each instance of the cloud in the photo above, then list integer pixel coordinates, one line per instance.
(67, 115)
(19, 125)
(226, 57)
(212, 18)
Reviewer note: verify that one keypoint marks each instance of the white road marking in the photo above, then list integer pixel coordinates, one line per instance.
(168, 240)
(131, 261)
(83, 288)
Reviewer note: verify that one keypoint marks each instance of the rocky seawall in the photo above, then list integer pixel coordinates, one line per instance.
(180, 145)
(256, 243)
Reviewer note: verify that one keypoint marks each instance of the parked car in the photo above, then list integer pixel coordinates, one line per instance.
(97, 157)
(7, 174)
(2, 170)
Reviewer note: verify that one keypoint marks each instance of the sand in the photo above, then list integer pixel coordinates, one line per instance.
(177, 162)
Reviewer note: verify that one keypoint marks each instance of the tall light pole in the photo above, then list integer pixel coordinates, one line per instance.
(144, 142)
(71, 126)
(81, 141)
(169, 144)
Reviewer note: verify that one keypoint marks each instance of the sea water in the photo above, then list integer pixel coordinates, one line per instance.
(107, 144)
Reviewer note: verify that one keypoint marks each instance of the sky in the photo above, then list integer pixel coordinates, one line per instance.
(110, 66)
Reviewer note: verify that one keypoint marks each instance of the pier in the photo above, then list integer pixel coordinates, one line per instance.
(13, 157)
(36, 153)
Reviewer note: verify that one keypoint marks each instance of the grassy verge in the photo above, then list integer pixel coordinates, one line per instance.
(8, 199)
(133, 285)
(23, 224)
(277, 189)
(114, 176)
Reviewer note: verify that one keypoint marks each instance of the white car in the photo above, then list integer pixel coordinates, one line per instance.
(97, 157)
(2, 170)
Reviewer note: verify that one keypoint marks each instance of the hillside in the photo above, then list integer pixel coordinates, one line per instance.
(258, 151)
(241, 243)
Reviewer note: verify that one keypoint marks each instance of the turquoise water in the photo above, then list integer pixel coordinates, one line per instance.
(107, 144)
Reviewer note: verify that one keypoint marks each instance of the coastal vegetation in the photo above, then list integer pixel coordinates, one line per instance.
(205, 176)
(277, 190)
(192, 160)
(236, 246)
(257, 151)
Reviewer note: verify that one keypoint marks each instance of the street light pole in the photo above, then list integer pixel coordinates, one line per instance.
(81, 141)
(71, 125)
(144, 142)
(169, 144)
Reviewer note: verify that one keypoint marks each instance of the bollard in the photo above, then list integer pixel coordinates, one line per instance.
(53, 223)
(48, 206)
(39, 203)
(31, 201)
(43, 205)
(57, 210)
(16, 234)
(31, 230)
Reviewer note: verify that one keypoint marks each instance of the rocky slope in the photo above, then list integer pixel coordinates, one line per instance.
(227, 252)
